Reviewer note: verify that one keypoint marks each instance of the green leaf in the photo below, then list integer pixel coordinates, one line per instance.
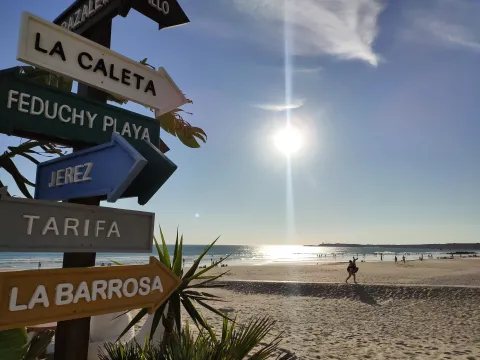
(31, 158)
(175, 252)
(115, 262)
(177, 263)
(134, 321)
(165, 250)
(193, 312)
(194, 277)
(203, 283)
(157, 317)
(159, 251)
(194, 267)
(175, 304)
(208, 307)
(7, 164)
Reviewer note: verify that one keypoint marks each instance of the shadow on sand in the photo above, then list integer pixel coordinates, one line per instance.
(364, 296)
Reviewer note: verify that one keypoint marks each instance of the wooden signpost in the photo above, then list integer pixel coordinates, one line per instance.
(127, 162)
(37, 297)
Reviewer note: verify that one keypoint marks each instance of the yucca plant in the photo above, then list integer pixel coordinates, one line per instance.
(234, 343)
(189, 294)
(28, 150)
(14, 344)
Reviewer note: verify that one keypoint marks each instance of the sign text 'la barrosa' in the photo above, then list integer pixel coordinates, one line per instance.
(34, 297)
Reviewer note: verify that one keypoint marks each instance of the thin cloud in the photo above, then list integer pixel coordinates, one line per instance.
(342, 28)
(308, 70)
(448, 23)
(281, 107)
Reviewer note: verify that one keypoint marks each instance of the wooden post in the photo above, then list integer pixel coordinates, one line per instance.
(72, 337)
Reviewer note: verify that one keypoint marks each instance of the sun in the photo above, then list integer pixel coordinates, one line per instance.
(288, 140)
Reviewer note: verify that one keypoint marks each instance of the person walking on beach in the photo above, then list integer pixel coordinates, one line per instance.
(403, 259)
(396, 259)
(352, 270)
(39, 265)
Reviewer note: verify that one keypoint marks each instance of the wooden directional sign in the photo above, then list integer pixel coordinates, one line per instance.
(56, 49)
(166, 13)
(90, 172)
(46, 226)
(40, 296)
(155, 173)
(82, 15)
(36, 111)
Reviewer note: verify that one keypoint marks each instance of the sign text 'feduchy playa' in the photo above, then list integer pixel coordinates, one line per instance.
(56, 49)
(37, 111)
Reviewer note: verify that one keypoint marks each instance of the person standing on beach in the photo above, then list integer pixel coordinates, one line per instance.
(39, 265)
(396, 259)
(352, 270)
(403, 259)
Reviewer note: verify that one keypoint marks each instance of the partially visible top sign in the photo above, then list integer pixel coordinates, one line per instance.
(56, 49)
(166, 13)
(82, 15)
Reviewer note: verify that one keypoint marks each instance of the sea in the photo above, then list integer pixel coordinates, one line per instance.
(239, 255)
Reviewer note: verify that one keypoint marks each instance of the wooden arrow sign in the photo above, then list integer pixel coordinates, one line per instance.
(40, 296)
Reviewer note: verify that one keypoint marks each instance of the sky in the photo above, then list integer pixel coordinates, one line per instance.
(384, 94)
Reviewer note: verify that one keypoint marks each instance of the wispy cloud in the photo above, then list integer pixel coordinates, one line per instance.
(281, 106)
(342, 28)
(448, 23)
(308, 70)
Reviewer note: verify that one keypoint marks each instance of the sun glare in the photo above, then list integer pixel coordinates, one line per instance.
(288, 140)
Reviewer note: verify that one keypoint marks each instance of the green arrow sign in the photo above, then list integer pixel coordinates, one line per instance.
(32, 110)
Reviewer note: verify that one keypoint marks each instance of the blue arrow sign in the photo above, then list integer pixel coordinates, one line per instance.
(156, 172)
(106, 169)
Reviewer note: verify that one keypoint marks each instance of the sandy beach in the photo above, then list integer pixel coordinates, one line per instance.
(421, 310)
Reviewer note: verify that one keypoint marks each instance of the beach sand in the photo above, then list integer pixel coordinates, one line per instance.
(421, 310)
(428, 272)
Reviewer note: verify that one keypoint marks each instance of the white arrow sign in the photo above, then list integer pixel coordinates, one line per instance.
(53, 48)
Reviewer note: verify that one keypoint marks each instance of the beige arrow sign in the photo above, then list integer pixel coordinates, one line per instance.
(41, 296)
(53, 48)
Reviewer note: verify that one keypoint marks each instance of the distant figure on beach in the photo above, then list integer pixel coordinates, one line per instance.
(381, 257)
(39, 265)
(403, 259)
(352, 270)
(396, 259)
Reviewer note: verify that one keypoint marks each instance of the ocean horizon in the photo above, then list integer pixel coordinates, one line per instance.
(250, 255)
